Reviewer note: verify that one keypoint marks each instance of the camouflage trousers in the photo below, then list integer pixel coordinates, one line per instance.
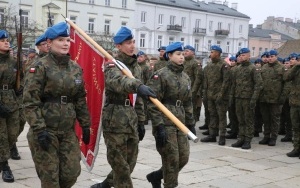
(22, 120)
(122, 152)
(295, 117)
(9, 130)
(197, 102)
(258, 122)
(285, 119)
(218, 119)
(234, 123)
(174, 155)
(206, 112)
(271, 118)
(63, 159)
(245, 117)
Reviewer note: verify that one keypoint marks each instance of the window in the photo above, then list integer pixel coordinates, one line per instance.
(24, 19)
(107, 2)
(106, 26)
(91, 25)
(197, 23)
(142, 40)
(171, 40)
(210, 26)
(219, 43)
(196, 45)
(208, 45)
(124, 3)
(229, 27)
(239, 46)
(172, 20)
(1, 16)
(159, 41)
(73, 19)
(143, 17)
(227, 47)
(253, 51)
(123, 23)
(219, 25)
(182, 40)
(160, 19)
(91, 2)
(260, 50)
(240, 28)
(183, 21)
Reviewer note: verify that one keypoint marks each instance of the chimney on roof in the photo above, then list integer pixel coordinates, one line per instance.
(250, 26)
(218, 2)
(234, 6)
(279, 19)
(270, 18)
(289, 20)
(259, 26)
(225, 3)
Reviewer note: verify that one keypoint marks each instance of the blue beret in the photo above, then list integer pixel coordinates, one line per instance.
(273, 52)
(244, 50)
(189, 47)
(176, 46)
(57, 30)
(265, 54)
(258, 60)
(286, 59)
(216, 48)
(232, 58)
(237, 54)
(140, 53)
(3, 34)
(161, 48)
(123, 34)
(40, 39)
(279, 59)
(293, 55)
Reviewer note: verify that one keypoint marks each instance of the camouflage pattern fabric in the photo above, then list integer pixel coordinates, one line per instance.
(9, 127)
(51, 77)
(171, 85)
(120, 122)
(234, 123)
(295, 117)
(160, 64)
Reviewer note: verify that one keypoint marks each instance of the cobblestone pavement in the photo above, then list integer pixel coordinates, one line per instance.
(210, 165)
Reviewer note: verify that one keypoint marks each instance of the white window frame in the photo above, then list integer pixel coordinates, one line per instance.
(197, 23)
(209, 42)
(171, 39)
(25, 19)
(107, 3)
(143, 16)
(160, 19)
(210, 25)
(107, 26)
(196, 45)
(172, 20)
(227, 46)
(159, 41)
(73, 19)
(91, 25)
(240, 28)
(142, 40)
(124, 3)
(183, 21)
(219, 25)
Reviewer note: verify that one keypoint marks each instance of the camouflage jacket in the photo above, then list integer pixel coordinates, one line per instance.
(293, 77)
(46, 82)
(198, 84)
(146, 71)
(171, 84)
(120, 118)
(8, 81)
(273, 84)
(216, 80)
(160, 64)
(246, 82)
(191, 69)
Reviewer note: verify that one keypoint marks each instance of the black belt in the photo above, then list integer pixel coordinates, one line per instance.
(61, 99)
(6, 87)
(174, 102)
(125, 102)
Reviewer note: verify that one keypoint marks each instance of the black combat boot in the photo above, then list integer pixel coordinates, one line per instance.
(7, 175)
(256, 134)
(209, 138)
(206, 132)
(264, 141)
(155, 178)
(272, 142)
(281, 132)
(222, 141)
(203, 127)
(238, 144)
(246, 145)
(14, 153)
(231, 136)
(293, 153)
(103, 184)
(287, 138)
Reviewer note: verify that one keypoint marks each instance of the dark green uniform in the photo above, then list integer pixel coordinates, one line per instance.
(272, 98)
(54, 97)
(234, 123)
(161, 63)
(173, 89)
(120, 120)
(197, 92)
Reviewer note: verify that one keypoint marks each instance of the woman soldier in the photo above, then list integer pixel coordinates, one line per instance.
(54, 97)
(173, 89)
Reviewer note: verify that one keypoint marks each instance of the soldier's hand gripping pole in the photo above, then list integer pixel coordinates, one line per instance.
(122, 67)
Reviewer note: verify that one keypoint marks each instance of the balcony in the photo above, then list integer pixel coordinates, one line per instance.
(202, 54)
(199, 31)
(222, 33)
(174, 28)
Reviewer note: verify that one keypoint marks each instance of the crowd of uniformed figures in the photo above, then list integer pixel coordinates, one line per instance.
(260, 97)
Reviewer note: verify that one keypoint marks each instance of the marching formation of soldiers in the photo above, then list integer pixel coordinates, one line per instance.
(263, 96)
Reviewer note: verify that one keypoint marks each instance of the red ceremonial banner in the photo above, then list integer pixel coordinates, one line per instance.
(92, 63)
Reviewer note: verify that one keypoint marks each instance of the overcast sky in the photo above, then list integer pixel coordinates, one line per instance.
(259, 10)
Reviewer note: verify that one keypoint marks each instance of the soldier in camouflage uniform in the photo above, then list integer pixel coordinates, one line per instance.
(54, 98)
(9, 109)
(272, 98)
(191, 68)
(31, 57)
(122, 120)
(216, 91)
(173, 88)
(245, 90)
(161, 63)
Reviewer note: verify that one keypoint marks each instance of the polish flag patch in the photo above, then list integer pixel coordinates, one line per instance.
(32, 70)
